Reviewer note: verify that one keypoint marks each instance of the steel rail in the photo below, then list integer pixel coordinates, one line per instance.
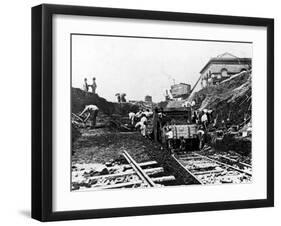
(187, 170)
(226, 165)
(233, 160)
(140, 172)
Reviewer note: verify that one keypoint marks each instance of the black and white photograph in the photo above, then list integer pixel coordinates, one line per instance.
(158, 112)
(141, 112)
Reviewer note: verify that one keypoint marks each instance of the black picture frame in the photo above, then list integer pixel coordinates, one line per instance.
(42, 111)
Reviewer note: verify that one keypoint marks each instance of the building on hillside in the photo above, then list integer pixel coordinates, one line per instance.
(222, 67)
(181, 90)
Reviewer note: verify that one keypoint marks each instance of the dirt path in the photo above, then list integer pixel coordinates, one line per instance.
(103, 145)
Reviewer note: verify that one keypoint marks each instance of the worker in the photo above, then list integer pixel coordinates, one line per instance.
(139, 114)
(201, 136)
(85, 85)
(194, 118)
(118, 97)
(132, 117)
(209, 116)
(169, 135)
(156, 133)
(204, 119)
(142, 126)
(94, 85)
(148, 113)
(223, 125)
(123, 97)
(182, 144)
(143, 119)
(215, 121)
(193, 103)
(93, 111)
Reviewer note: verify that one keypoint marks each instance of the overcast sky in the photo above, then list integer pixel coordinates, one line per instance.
(139, 67)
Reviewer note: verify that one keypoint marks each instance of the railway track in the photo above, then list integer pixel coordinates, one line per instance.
(131, 175)
(216, 169)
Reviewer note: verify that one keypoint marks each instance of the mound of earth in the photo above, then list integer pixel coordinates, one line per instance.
(230, 100)
(81, 98)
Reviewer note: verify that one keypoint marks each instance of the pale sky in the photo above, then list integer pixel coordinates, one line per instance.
(139, 67)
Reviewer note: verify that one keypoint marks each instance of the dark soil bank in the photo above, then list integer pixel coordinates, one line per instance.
(103, 145)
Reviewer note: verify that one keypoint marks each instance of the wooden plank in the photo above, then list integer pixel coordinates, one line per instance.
(87, 117)
(225, 157)
(78, 117)
(120, 185)
(143, 164)
(107, 176)
(181, 156)
(163, 179)
(234, 160)
(152, 171)
(207, 172)
(129, 132)
(191, 158)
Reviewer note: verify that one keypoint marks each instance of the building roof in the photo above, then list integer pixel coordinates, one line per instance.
(227, 58)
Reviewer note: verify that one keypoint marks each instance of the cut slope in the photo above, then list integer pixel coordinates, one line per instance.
(81, 98)
(229, 100)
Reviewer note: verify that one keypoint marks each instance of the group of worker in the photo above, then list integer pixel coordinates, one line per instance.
(139, 120)
(90, 112)
(203, 118)
(86, 86)
(121, 97)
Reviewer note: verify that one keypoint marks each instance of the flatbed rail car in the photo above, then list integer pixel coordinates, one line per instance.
(179, 121)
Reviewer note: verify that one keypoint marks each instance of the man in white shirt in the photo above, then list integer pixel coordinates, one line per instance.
(143, 119)
(193, 103)
(132, 117)
(204, 119)
(142, 128)
(201, 137)
(169, 136)
(93, 112)
(139, 114)
(148, 113)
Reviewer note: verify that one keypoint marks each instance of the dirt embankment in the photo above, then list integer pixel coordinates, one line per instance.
(80, 99)
(230, 101)
(110, 113)
(103, 145)
(231, 105)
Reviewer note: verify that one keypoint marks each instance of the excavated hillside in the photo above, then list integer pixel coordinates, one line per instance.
(81, 98)
(231, 105)
(111, 114)
(230, 101)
